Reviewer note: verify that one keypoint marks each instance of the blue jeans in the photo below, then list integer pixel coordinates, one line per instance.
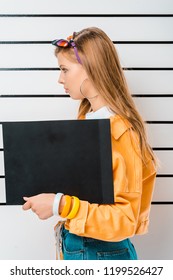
(75, 247)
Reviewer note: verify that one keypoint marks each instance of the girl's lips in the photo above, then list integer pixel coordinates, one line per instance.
(66, 90)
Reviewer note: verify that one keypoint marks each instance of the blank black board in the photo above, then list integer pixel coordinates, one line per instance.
(71, 156)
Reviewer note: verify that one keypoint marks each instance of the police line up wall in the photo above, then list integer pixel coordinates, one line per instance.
(142, 33)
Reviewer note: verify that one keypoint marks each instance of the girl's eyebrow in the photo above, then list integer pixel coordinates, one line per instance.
(62, 66)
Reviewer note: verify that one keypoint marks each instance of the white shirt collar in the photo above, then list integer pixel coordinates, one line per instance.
(102, 113)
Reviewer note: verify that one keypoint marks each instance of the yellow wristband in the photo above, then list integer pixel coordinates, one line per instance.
(67, 206)
(75, 208)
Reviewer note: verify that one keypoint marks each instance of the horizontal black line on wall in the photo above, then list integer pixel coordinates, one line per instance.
(57, 69)
(154, 148)
(86, 15)
(30, 69)
(33, 95)
(149, 122)
(159, 122)
(162, 202)
(152, 95)
(163, 148)
(148, 68)
(164, 175)
(66, 95)
(153, 203)
(115, 42)
(158, 175)
(143, 42)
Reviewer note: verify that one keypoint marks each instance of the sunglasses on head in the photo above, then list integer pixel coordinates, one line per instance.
(62, 43)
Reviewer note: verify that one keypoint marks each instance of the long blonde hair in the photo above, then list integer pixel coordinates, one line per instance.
(101, 62)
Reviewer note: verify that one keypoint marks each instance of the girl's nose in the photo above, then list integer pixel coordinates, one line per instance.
(60, 79)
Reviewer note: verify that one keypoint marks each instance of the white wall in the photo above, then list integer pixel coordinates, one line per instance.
(142, 33)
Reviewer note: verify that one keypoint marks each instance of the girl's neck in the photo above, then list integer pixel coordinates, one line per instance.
(97, 103)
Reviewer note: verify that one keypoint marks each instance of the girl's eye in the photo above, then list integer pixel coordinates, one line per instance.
(64, 70)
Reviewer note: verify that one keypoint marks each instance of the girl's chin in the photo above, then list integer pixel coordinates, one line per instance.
(75, 97)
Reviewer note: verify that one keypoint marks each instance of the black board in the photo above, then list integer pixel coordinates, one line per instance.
(72, 156)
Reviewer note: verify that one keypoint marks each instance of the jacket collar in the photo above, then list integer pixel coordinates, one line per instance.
(118, 126)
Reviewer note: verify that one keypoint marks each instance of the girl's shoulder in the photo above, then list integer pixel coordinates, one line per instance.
(119, 126)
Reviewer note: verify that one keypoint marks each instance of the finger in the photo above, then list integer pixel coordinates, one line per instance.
(25, 198)
(26, 206)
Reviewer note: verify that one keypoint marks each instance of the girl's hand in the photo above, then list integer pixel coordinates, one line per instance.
(41, 205)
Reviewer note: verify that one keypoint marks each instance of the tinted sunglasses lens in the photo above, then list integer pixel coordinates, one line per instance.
(60, 43)
(63, 43)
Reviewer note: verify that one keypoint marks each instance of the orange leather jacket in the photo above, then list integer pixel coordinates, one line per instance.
(133, 189)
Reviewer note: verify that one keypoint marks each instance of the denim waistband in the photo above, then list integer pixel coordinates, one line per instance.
(77, 247)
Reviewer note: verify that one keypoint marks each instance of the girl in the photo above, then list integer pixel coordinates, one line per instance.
(91, 72)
